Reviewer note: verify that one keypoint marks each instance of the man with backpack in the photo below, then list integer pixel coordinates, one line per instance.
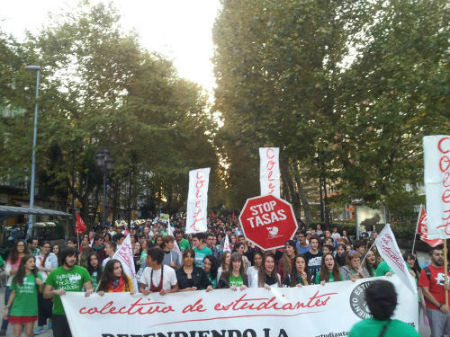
(432, 281)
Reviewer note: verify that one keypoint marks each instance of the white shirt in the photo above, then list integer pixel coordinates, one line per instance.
(252, 274)
(169, 277)
(50, 263)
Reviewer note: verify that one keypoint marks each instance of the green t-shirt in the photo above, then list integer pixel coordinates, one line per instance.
(372, 327)
(236, 280)
(200, 254)
(70, 280)
(330, 276)
(212, 280)
(184, 244)
(94, 280)
(383, 268)
(26, 300)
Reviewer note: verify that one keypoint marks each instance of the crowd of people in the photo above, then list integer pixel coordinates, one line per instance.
(39, 273)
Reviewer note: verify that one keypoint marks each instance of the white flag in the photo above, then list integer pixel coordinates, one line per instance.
(437, 185)
(269, 171)
(389, 251)
(227, 245)
(125, 255)
(197, 204)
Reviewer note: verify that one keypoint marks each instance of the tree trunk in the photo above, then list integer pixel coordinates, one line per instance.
(302, 194)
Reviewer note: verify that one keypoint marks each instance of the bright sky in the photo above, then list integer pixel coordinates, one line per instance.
(179, 29)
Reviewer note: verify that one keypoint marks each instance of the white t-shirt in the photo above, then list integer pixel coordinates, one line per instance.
(169, 277)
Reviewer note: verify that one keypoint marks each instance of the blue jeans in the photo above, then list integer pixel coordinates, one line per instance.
(7, 293)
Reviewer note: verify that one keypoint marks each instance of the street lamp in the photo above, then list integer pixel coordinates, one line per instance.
(33, 158)
(105, 163)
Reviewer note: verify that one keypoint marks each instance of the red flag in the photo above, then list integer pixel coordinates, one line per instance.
(422, 229)
(233, 217)
(213, 214)
(80, 228)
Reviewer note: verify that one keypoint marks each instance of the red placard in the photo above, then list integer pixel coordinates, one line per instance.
(268, 221)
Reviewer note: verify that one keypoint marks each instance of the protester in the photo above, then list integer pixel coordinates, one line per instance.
(287, 261)
(341, 255)
(114, 280)
(99, 248)
(314, 257)
(95, 269)
(329, 270)
(302, 243)
(22, 306)
(210, 243)
(158, 240)
(252, 272)
(182, 242)
(18, 251)
(239, 247)
(268, 276)
(431, 280)
(171, 257)
(210, 268)
(45, 263)
(164, 279)
(371, 263)
(381, 299)
(33, 246)
(137, 250)
(352, 269)
(110, 249)
(55, 250)
(235, 277)
(190, 277)
(224, 264)
(68, 277)
(300, 275)
(414, 268)
(83, 256)
(200, 249)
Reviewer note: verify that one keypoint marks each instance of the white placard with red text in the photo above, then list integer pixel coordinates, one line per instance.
(124, 254)
(269, 171)
(197, 204)
(329, 310)
(389, 251)
(437, 185)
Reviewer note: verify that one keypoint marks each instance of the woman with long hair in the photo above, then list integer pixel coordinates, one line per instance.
(114, 280)
(411, 260)
(287, 262)
(191, 277)
(340, 255)
(83, 256)
(55, 250)
(352, 269)
(300, 275)
(22, 306)
(268, 276)
(371, 263)
(235, 277)
(137, 250)
(158, 240)
(94, 268)
(17, 252)
(239, 247)
(252, 272)
(224, 264)
(329, 270)
(210, 268)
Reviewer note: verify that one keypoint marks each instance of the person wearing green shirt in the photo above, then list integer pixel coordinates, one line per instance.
(210, 268)
(236, 278)
(381, 300)
(182, 242)
(329, 270)
(383, 269)
(198, 241)
(95, 269)
(22, 306)
(66, 278)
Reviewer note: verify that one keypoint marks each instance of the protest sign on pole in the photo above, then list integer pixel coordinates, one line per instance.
(269, 171)
(125, 255)
(437, 185)
(227, 245)
(389, 251)
(305, 311)
(197, 204)
(422, 229)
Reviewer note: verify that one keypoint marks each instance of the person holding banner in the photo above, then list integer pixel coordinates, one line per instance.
(67, 277)
(287, 261)
(235, 278)
(114, 280)
(370, 263)
(252, 272)
(190, 277)
(268, 276)
(210, 268)
(300, 275)
(432, 280)
(329, 270)
(157, 277)
(95, 269)
(352, 269)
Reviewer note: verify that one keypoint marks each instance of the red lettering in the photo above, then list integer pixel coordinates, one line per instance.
(270, 153)
(446, 196)
(440, 144)
(444, 163)
(135, 308)
(196, 307)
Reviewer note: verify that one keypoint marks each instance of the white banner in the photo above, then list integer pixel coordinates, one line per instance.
(269, 171)
(389, 251)
(437, 185)
(125, 255)
(197, 204)
(329, 310)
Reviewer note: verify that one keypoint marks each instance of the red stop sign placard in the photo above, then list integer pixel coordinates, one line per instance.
(268, 221)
